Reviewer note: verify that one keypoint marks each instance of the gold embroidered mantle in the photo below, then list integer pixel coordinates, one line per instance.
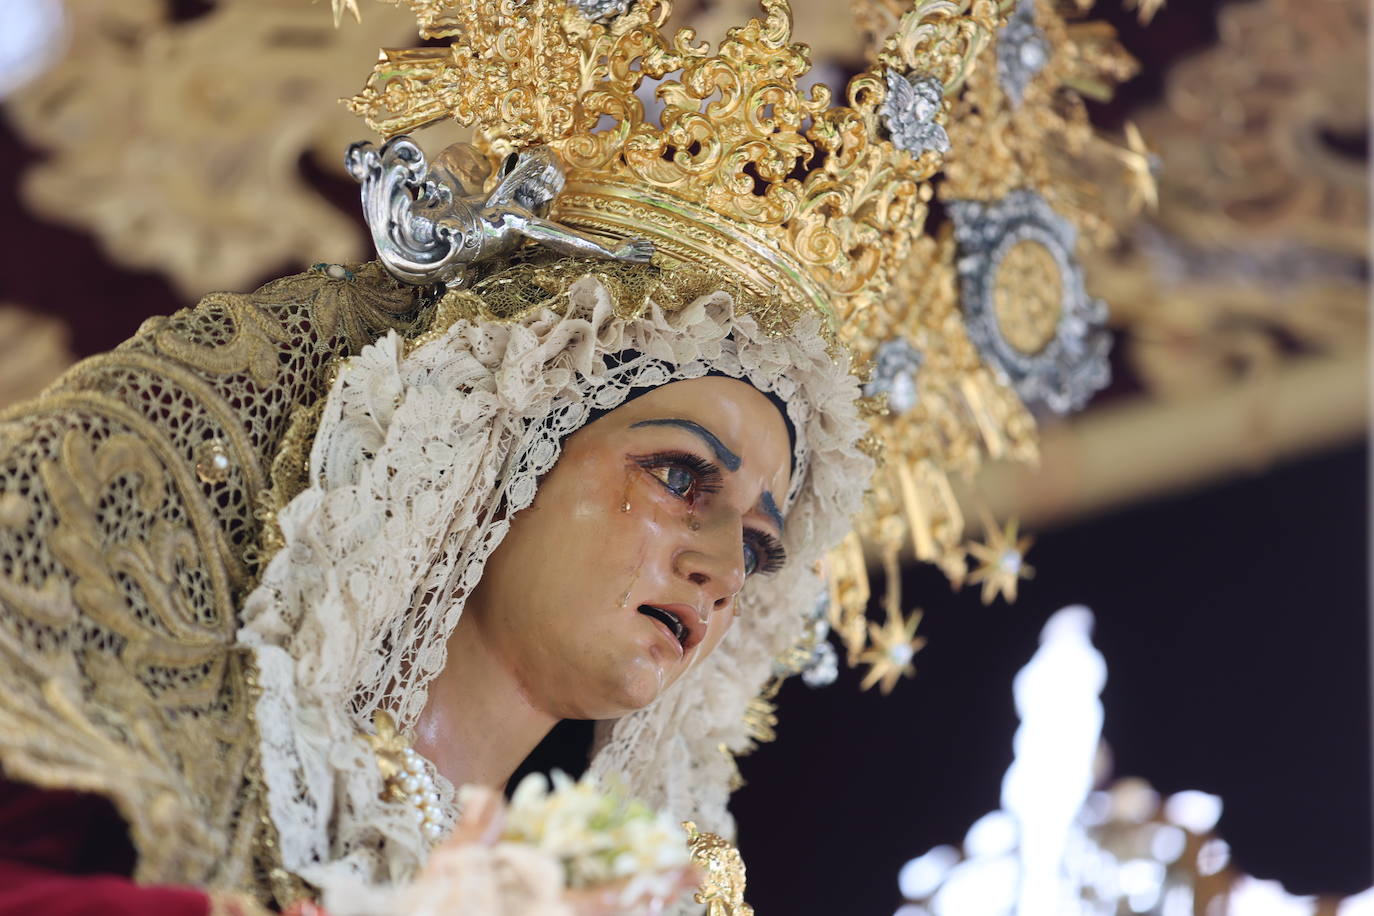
(128, 493)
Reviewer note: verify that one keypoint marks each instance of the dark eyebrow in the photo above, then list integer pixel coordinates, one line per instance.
(770, 509)
(723, 454)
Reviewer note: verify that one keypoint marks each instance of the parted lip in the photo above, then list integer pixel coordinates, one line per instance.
(682, 619)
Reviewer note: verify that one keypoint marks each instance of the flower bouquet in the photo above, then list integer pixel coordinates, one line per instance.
(598, 834)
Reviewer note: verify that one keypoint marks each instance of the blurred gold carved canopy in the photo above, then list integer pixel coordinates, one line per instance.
(178, 144)
(1242, 303)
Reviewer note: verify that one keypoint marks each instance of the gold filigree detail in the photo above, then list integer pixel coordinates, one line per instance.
(1046, 143)
(1028, 296)
(961, 415)
(390, 746)
(248, 346)
(722, 889)
(710, 180)
(511, 291)
(747, 176)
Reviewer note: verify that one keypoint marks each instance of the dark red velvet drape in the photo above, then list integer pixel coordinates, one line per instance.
(68, 854)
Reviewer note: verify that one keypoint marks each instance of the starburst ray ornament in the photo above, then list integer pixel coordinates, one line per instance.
(1001, 561)
(892, 648)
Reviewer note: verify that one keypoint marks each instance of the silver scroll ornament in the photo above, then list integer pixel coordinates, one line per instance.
(895, 368)
(1070, 365)
(814, 657)
(909, 112)
(428, 225)
(601, 10)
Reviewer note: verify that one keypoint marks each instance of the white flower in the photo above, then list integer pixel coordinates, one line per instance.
(595, 832)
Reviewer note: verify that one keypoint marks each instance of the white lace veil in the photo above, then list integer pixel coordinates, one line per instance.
(414, 454)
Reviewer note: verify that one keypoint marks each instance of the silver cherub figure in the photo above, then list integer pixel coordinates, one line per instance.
(428, 225)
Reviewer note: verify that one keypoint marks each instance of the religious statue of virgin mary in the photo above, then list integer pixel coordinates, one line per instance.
(283, 570)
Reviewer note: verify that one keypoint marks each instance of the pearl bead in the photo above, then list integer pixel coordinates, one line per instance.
(212, 462)
(420, 794)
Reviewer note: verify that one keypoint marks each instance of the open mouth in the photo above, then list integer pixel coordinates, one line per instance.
(669, 619)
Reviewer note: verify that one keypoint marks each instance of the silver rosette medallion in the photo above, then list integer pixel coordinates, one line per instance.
(1024, 302)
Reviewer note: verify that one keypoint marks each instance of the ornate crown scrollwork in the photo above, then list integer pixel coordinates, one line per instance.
(744, 171)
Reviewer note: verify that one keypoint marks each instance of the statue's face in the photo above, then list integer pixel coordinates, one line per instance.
(623, 573)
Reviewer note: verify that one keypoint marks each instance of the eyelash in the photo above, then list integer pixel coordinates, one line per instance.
(771, 555)
(707, 479)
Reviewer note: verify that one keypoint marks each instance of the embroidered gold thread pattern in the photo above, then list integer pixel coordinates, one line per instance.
(124, 566)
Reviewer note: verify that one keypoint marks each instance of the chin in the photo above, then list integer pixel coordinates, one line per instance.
(624, 680)
(633, 690)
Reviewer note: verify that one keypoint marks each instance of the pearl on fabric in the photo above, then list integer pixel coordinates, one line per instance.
(420, 794)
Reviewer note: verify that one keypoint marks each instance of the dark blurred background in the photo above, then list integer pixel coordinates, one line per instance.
(1234, 626)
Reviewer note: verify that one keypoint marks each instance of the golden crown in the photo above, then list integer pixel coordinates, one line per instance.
(713, 180)
(965, 328)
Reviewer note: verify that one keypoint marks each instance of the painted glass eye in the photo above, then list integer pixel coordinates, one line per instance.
(679, 480)
(751, 559)
(684, 475)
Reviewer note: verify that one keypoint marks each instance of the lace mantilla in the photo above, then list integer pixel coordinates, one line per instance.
(416, 449)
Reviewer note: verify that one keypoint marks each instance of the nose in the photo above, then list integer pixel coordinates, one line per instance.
(713, 560)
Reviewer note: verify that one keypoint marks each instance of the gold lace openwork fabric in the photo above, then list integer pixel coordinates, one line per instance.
(129, 522)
